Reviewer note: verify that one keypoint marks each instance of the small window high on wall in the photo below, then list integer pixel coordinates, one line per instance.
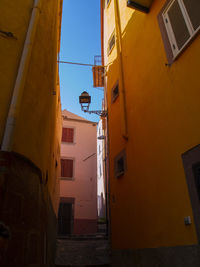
(120, 165)
(111, 43)
(108, 2)
(68, 135)
(181, 20)
(115, 92)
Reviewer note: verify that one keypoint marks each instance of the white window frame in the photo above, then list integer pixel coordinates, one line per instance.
(175, 50)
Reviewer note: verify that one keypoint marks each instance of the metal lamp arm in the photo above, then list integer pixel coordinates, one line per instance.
(101, 113)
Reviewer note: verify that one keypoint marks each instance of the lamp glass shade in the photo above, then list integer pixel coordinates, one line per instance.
(84, 98)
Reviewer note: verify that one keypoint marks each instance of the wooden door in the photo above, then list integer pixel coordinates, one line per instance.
(65, 219)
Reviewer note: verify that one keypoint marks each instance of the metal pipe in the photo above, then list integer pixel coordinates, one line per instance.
(123, 112)
(21, 79)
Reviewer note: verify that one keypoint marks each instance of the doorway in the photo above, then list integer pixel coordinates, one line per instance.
(65, 219)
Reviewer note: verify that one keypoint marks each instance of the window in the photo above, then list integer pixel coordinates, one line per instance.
(115, 92)
(67, 168)
(100, 172)
(111, 43)
(120, 164)
(191, 166)
(68, 135)
(108, 2)
(140, 5)
(66, 216)
(181, 21)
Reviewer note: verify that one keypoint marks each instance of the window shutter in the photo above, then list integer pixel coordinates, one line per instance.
(64, 134)
(68, 135)
(67, 168)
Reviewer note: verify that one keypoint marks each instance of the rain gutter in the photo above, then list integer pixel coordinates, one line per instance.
(21, 79)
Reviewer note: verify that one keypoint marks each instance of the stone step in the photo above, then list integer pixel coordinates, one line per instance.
(98, 236)
(104, 265)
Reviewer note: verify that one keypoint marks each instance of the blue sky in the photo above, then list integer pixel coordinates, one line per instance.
(80, 42)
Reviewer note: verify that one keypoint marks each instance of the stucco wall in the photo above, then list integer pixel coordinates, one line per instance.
(37, 134)
(100, 171)
(83, 187)
(37, 125)
(149, 203)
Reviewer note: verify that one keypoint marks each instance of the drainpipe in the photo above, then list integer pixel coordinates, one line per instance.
(21, 79)
(123, 112)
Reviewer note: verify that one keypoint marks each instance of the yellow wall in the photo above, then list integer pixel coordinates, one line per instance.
(38, 129)
(149, 203)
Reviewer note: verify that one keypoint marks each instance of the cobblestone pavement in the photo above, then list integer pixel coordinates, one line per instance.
(82, 253)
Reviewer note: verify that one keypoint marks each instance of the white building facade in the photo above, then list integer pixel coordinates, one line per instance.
(101, 199)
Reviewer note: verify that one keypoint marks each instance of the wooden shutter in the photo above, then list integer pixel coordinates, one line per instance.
(68, 135)
(67, 168)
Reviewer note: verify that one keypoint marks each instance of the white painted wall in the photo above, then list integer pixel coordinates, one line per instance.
(100, 172)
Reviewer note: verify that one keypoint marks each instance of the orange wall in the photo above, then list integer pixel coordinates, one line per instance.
(38, 128)
(149, 203)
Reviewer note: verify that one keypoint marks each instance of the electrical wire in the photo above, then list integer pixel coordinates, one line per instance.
(83, 64)
(77, 63)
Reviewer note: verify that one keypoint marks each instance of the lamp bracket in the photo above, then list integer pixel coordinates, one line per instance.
(101, 113)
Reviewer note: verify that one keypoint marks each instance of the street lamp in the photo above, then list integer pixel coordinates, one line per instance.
(85, 100)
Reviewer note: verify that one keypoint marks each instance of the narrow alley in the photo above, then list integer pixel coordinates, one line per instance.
(99, 133)
(83, 251)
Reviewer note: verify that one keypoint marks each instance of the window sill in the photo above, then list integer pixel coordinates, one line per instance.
(68, 143)
(67, 178)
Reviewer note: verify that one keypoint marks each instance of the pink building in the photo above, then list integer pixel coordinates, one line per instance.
(78, 185)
